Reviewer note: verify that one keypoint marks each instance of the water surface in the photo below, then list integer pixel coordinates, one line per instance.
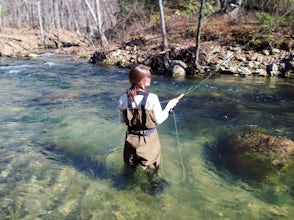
(61, 145)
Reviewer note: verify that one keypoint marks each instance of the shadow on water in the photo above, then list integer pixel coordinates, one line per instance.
(122, 178)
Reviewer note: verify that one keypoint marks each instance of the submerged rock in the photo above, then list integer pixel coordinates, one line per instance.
(257, 156)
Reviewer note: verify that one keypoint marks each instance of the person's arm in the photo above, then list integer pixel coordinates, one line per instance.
(121, 106)
(162, 115)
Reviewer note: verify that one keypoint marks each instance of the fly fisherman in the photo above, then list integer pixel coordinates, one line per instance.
(141, 111)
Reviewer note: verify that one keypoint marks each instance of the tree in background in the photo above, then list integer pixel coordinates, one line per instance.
(107, 20)
(1, 15)
(40, 20)
(72, 15)
(98, 21)
(163, 30)
(198, 34)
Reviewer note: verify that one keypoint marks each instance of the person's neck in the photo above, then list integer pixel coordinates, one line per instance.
(142, 90)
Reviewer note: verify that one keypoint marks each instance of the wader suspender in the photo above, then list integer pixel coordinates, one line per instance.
(138, 131)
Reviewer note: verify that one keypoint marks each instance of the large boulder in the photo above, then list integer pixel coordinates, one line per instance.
(258, 156)
(178, 68)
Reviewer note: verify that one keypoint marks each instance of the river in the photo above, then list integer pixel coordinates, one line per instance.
(62, 145)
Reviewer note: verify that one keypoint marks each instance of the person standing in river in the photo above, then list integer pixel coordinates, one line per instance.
(141, 111)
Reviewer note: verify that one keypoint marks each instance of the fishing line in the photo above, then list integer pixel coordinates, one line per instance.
(180, 153)
(192, 88)
(179, 149)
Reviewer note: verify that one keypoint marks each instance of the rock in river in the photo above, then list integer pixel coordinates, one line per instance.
(258, 156)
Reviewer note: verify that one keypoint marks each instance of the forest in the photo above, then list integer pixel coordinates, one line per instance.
(109, 20)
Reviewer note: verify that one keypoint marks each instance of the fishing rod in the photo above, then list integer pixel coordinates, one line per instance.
(192, 88)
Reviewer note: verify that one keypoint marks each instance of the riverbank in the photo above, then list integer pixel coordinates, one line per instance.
(27, 43)
(223, 48)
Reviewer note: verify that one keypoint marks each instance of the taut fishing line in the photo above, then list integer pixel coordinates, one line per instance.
(192, 88)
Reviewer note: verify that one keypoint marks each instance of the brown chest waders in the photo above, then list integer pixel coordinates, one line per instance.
(142, 146)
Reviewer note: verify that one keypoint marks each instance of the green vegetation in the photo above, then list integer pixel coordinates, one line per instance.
(3, 14)
(264, 18)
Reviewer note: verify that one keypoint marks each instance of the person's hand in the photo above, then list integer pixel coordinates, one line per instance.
(172, 103)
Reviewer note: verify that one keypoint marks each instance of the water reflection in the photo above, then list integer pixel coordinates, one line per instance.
(61, 145)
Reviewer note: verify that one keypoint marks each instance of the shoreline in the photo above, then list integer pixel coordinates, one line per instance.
(225, 59)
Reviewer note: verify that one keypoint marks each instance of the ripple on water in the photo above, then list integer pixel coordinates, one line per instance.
(62, 146)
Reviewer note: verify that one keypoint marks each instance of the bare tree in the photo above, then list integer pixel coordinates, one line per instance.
(102, 15)
(201, 14)
(98, 22)
(224, 5)
(40, 20)
(1, 14)
(163, 29)
(103, 39)
(56, 19)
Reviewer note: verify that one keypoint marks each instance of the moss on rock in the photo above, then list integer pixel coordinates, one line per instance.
(258, 156)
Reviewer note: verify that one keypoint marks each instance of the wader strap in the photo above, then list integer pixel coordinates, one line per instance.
(130, 106)
(143, 103)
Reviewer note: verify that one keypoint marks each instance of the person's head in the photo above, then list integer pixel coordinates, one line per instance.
(140, 78)
(140, 75)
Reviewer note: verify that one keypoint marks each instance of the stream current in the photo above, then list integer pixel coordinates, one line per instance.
(61, 145)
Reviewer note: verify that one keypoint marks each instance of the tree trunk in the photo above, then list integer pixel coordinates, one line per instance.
(40, 20)
(0, 15)
(27, 14)
(57, 21)
(163, 29)
(224, 5)
(201, 14)
(99, 24)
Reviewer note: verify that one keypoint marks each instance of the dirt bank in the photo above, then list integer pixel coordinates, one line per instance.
(24, 42)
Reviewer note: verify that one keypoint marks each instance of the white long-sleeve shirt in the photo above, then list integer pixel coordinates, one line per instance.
(152, 103)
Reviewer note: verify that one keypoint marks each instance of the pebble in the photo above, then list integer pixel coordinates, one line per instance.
(4, 173)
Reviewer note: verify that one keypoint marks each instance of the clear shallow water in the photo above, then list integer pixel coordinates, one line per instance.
(61, 145)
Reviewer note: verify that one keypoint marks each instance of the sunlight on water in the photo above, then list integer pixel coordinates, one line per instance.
(62, 145)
